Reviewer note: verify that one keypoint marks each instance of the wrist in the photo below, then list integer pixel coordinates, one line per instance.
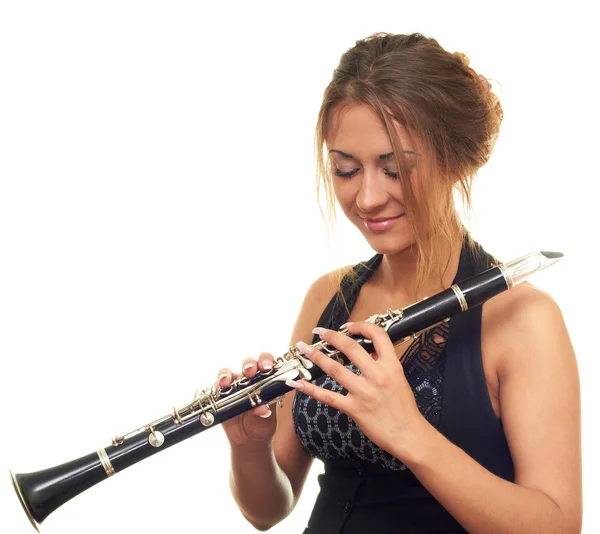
(413, 449)
(252, 448)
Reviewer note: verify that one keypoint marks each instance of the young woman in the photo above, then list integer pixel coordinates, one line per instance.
(475, 425)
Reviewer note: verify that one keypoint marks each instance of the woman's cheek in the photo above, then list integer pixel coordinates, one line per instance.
(343, 196)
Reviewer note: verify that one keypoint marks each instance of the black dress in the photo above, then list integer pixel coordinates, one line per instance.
(364, 489)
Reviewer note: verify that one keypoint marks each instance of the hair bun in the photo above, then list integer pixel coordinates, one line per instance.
(464, 59)
(486, 83)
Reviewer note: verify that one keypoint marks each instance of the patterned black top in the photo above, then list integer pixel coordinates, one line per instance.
(364, 484)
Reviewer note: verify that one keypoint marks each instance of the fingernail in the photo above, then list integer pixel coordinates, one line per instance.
(346, 325)
(267, 366)
(248, 366)
(265, 415)
(294, 384)
(222, 376)
(304, 348)
(319, 331)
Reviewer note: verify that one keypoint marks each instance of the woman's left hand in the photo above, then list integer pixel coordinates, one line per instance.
(380, 399)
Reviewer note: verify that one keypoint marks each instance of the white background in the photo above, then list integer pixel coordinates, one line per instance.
(158, 218)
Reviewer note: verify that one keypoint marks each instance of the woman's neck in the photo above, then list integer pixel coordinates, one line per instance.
(398, 273)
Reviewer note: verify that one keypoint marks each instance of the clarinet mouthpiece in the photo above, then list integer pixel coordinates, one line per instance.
(520, 269)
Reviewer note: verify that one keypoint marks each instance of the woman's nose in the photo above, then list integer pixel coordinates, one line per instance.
(372, 193)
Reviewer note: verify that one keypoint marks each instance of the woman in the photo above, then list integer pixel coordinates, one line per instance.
(475, 426)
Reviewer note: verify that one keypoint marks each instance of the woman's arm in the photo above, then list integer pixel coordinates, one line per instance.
(264, 491)
(540, 407)
(267, 478)
(539, 402)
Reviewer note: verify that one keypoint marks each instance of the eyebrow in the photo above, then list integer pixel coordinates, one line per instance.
(381, 156)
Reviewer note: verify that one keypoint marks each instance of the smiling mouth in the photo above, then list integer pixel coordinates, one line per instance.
(382, 219)
(380, 224)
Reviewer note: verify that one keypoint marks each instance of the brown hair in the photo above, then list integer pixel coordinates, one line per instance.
(449, 111)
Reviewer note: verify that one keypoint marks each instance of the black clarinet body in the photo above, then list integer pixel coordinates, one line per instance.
(44, 491)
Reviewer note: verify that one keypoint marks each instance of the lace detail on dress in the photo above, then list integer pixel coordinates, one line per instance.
(329, 434)
(424, 363)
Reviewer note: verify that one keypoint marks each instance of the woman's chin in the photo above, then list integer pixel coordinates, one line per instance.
(389, 244)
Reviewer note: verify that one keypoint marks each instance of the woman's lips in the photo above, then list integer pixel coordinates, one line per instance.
(381, 224)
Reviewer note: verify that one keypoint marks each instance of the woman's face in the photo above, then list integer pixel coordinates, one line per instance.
(365, 178)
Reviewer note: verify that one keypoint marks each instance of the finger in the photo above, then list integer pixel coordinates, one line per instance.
(335, 370)
(225, 378)
(381, 340)
(348, 346)
(265, 362)
(261, 411)
(249, 367)
(325, 396)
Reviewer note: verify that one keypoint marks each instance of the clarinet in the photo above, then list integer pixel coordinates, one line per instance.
(42, 492)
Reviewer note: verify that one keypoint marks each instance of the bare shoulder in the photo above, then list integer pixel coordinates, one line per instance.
(520, 301)
(324, 287)
(318, 295)
(523, 325)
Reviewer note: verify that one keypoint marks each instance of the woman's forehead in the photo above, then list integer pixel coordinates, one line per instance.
(357, 130)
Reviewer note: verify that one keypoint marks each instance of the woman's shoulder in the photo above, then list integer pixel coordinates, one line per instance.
(322, 290)
(518, 323)
(317, 297)
(524, 306)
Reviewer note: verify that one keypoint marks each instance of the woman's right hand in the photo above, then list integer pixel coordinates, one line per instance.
(254, 426)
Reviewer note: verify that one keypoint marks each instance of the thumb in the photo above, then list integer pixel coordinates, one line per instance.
(262, 411)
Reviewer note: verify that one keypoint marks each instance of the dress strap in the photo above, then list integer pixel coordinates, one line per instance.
(338, 309)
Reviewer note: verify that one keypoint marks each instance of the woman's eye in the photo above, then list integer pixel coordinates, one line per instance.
(395, 175)
(348, 174)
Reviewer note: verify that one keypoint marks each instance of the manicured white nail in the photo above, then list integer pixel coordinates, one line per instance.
(265, 415)
(222, 376)
(294, 384)
(267, 366)
(304, 348)
(346, 325)
(319, 331)
(248, 366)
